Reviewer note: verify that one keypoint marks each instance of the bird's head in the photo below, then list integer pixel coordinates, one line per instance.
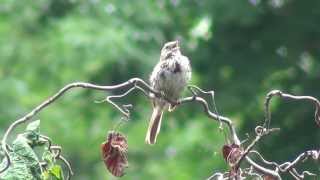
(169, 49)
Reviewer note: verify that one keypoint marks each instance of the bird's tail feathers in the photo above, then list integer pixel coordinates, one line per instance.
(154, 125)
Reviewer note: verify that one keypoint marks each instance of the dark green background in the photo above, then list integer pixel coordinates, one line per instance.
(241, 49)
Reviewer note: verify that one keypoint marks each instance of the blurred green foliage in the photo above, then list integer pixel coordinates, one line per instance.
(25, 164)
(241, 49)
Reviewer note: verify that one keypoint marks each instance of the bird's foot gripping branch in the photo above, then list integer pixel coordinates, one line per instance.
(20, 160)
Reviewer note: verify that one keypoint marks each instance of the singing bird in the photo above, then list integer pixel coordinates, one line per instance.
(170, 77)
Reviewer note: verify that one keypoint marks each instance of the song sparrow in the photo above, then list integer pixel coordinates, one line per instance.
(170, 76)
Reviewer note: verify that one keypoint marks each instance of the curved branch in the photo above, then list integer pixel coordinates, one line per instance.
(136, 82)
(213, 115)
(279, 93)
(53, 99)
(262, 169)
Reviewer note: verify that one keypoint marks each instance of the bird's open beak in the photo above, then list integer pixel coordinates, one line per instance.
(176, 45)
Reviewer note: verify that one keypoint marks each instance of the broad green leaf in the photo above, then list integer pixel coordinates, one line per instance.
(32, 133)
(24, 162)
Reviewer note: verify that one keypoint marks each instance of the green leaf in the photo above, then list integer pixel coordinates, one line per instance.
(34, 126)
(56, 171)
(24, 162)
(53, 171)
(32, 133)
(48, 158)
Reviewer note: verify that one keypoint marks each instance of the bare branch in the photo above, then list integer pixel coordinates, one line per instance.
(219, 176)
(265, 129)
(136, 83)
(278, 93)
(212, 115)
(51, 100)
(314, 154)
(262, 169)
(124, 109)
(264, 160)
(211, 93)
(290, 166)
(70, 172)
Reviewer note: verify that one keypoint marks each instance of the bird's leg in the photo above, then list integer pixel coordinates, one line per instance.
(172, 107)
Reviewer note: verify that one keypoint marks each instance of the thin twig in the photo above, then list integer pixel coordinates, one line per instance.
(264, 160)
(70, 172)
(279, 93)
(124, 109)
(56, 150)
(213, 116)
(303, 156)
(262, 169)
(211, 93)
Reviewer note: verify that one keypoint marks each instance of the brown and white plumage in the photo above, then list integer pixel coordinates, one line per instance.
(170, 76)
